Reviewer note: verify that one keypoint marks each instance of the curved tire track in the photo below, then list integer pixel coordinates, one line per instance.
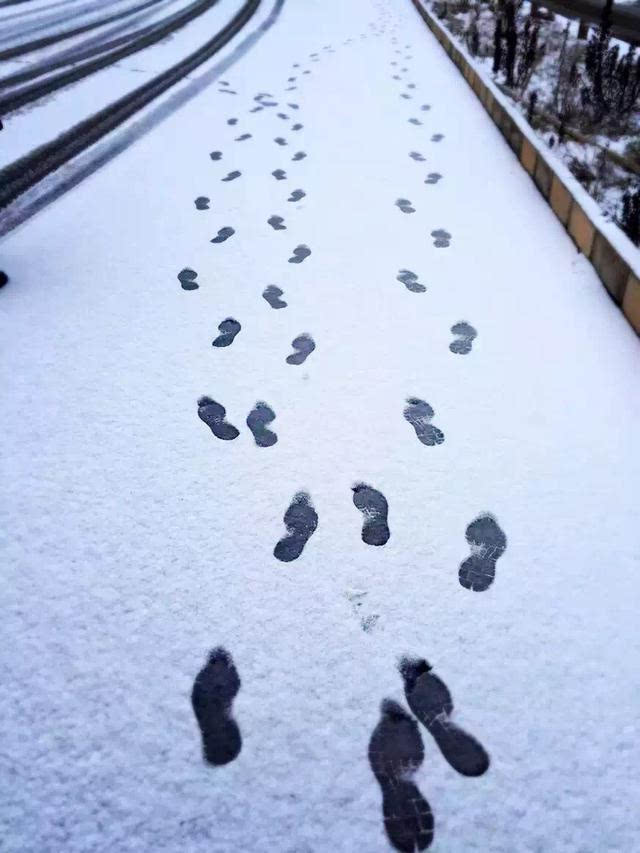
(24, 173)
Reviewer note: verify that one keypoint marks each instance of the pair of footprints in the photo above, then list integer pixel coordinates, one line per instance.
(396, 751)
(301, 521)
(303, 345)
(213, 414)
(203, 202)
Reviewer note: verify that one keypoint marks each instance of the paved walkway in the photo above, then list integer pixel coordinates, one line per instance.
(135, 540)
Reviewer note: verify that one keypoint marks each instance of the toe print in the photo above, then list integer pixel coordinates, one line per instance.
(280, 140)
(433, 178)
(228, 329)
(299, 155)
(442, 238)
(276, 222)
(202, 202)
(214, 690)
(410, 281)
(272, 294)
(488, 543)
(415, 155)
(396, 751)
(419, 413)
(232, 176)
(299, 254)
(216, 155)
(405, 205)
(304, 346)
(462, 345)
(375, 509)
(187, 278)
(296, 195)
(213, 415)
(301, 520)
(223, 234)
(279, 174)
(257, 421)
(431, 702)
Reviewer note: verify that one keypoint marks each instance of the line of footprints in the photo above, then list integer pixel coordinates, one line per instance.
(396, 749)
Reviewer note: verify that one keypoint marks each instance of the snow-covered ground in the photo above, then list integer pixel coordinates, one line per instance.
(134, 541)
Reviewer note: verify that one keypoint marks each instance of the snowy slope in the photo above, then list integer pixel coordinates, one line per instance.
(134, 541)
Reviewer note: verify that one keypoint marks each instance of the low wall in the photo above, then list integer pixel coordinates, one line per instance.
(613, 256)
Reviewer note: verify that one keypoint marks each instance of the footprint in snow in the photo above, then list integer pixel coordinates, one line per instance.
(437, 137)
(256, 109)
(242, 137)
(419, 413)
(296, 195)
(272, 294)
(442, 238)
(214, 690)
(291, 88)
(299, 155)
(257, 421)
(430, 700)
(415, 121)
(279, 174)
(410, 281)
(232, 121)
(276, 222)
(223, 234)
(216, 155)
(299, 254)
(375, 509)
(232, 176)
(202, 202)
(396, 751)
(294, 106)
(301, 520)
(187, 278)
(228, 329)
(405, 96)
(283, 116)
(304, 346)
(411, 85)
(488, 543)
(462, 345)
(433, 178)
(213, 415)
(297, 126)
(279, 140)
(425, 107)
(415, 155)
(405, 205)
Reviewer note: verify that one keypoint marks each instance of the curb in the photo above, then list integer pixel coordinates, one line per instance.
(612, 255)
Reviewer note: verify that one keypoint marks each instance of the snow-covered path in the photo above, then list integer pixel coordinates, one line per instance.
(134, 541)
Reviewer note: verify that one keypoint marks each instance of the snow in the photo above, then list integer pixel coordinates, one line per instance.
(134, 541)
(32, 126)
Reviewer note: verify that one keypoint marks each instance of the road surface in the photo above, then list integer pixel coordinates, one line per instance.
(456, 415)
